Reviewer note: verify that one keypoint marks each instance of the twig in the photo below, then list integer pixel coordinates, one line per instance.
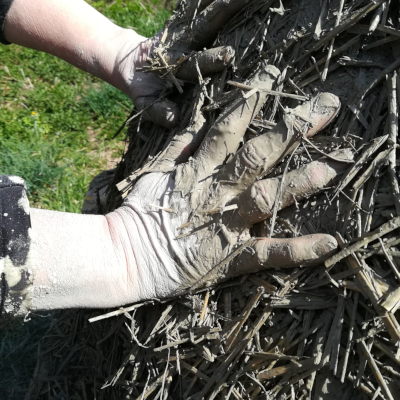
(388, 29)
(393, 123)
(328, 57)
(390, 261)
(390, 352)
(382, 230)
(376, 371)
(356, 167)
(270, 92)
(279, 193)
(338, 332)
(381, 42)
(350, 339)
(231, 335)
(363, 361)
(367, 285)
(330, 156)
(379, 160)
(335, 52)
(388, 70)
(170, 74)
(118, 312)
(361, 13)
(203, 312)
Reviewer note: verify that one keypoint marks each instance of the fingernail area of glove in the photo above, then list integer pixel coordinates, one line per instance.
(325, 246)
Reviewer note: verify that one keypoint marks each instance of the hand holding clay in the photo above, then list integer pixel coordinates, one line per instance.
(190, 227)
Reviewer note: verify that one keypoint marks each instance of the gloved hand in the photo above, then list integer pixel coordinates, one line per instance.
(170, 46)
(191, 227)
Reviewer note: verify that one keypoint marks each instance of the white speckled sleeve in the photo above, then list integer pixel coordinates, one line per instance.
(15, 255)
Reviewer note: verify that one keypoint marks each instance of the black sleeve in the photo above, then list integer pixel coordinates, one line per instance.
(4, 7)
(15, 243)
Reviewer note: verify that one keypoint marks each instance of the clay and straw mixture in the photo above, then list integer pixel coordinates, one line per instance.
(322, 332)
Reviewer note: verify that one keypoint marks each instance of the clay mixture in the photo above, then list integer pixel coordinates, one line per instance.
(313, 86)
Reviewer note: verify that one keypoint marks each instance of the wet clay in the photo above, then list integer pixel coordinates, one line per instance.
(257, 202)
(211, 236)
(208, 62)
(260, 154)
(227, 133)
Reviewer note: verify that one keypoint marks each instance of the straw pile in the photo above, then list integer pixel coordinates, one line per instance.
(330, 332)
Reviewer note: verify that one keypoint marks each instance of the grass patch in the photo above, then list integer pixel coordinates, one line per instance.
(145, 17)
(106, 102)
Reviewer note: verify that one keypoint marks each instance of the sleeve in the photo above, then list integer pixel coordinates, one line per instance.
(15, 248)
(4, 7)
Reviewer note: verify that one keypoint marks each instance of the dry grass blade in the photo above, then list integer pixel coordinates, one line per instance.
(374, 146)
(350, 339)
(271, 92)
(376, 372)
(278, 195)
(393, 123)
(383, 230)
(347, 24)
(330, 51)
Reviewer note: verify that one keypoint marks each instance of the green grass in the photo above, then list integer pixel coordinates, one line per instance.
(48, 109)
(56, 123)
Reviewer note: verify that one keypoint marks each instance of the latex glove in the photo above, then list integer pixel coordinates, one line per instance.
(191, 227)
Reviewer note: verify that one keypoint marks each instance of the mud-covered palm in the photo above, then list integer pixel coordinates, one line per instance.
(194, 221)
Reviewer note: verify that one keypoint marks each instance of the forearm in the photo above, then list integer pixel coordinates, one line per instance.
(73, 31)
(56, 260)
(76, 262)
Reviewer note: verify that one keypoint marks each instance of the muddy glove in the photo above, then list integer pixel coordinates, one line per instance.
(176, 45)
(190, 228)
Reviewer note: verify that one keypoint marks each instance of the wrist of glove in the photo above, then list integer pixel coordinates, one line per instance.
(143, 233)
